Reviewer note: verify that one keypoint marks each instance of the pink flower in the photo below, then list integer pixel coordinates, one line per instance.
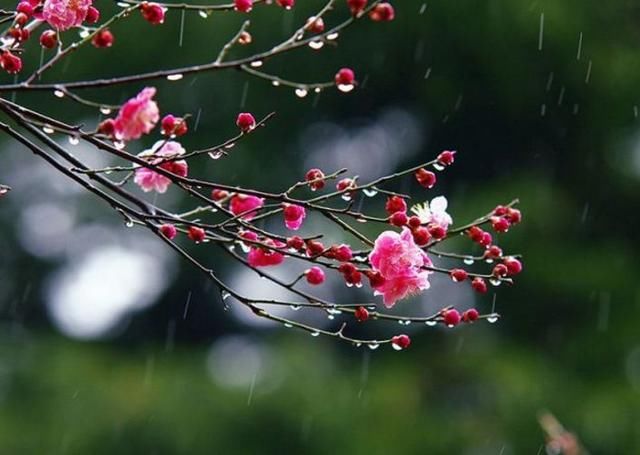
(245, 204)
(399, 260)
(150, 180)
(264, 257)
(294, 215)
(137, 116)
(64, 14)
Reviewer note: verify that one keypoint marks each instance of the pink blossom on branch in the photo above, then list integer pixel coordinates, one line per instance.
(400, 262)
(264, 257)
(294, 215)
(148, 179)
(65, 14)
(137, 116)
(245, 205)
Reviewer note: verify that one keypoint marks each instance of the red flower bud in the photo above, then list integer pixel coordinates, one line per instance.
(400, 342)
(425, 178)
(246, 122)
(421, 235)
(315, 275)
(513, 265)
(459, 275)
(49, 39)
(399, 219)
(395, 204)
(382, 12)
(452, 317)
(93, 15)
(446, 158)
(316, 179)
(361, 314)
(479, 285)
(169, 231)
(152, 13)
(104, 38)
(471, 315)
(196, 234)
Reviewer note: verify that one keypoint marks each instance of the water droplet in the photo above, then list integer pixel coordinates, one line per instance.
(349, 285)
(331, 317)
(288, 325)
(489, 261)
(275, 83)
(346, 88)
(315, 334)
(129, 223)
(59, 93)
(359, 285)
(357, 344)
(333, 36)
(225, 295)
(431, 323)
(468, 260)
(256, 63)
(47, 129)
(105, 110)
(83, 33)
(316, 45)
(119, 145)
(495, 281)
(346, 196)
(232, 248)
(492, 319)
(174, 77)
(317, 89)
(301, 92)
(244, 247)
(373, 345)
(123, 5)
(396, 347)
(361, 220)
(438, 167)
(216, 154)
(203, 14)
(370, 192)
(295, 307)
(73, 140)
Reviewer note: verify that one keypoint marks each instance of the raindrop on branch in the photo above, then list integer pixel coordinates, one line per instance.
(301, 92)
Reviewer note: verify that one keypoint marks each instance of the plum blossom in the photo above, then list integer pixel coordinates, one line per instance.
(294, 215)
(245, 204)
(264, 257)
(150, 180)
(434, 212)
(137, 116)
(65, 14)
(400, 262)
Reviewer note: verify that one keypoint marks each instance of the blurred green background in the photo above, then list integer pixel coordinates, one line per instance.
(540, 98)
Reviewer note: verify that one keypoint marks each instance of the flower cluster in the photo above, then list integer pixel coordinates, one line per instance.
(396, 259)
